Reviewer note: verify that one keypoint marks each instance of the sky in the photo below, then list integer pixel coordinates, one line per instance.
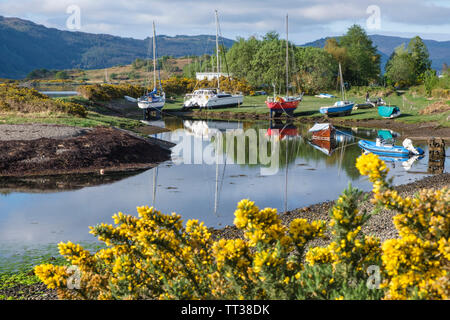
(309, 20)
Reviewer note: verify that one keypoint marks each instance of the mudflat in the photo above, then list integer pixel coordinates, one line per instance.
(27, 150)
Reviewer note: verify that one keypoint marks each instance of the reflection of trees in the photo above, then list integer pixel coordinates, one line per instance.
(291, 149)
(294, 148)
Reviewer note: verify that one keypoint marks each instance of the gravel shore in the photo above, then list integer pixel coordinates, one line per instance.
(380, 225)
(27, 132)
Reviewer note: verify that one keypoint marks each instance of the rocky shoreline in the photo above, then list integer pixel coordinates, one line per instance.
(380, 225)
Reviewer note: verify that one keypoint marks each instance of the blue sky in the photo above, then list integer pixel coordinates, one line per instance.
(309, 19)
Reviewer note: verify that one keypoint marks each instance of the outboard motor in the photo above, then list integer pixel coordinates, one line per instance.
(407, 143)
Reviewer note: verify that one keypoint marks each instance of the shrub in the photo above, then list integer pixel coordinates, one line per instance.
(155, 256)
(172, 87)
(18, 99)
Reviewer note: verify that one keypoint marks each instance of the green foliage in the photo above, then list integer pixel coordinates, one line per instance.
(140, 63)
(420, 56)
(318, 70)
(430, 80)
(41, 74)
(240, 58)
(17, 99)
(62, 75)
(400, 70)
(365, 61)
(410, 66)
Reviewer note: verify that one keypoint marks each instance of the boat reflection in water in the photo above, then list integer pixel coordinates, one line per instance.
(279, 129)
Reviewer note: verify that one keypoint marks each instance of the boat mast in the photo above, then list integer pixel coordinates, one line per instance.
(154, 56)
(342, 82)
(287, 57)
(217, 51)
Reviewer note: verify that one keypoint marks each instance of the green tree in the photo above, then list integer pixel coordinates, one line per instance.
(364, 67)
(240, 58)
(430, 80)
(269, 63)
(317, 69)
(400, 71)
(339, 53)
(420, 57)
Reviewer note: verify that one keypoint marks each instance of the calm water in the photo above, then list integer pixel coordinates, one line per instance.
(36, 219)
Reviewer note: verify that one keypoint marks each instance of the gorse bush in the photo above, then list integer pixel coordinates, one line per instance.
(172, 87)
(155, 256)
(24, 100)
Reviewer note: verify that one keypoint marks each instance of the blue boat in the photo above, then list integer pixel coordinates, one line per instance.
(389, 112)
(388, 150)
(340, 108)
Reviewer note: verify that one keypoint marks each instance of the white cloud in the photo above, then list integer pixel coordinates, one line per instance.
(308, 18)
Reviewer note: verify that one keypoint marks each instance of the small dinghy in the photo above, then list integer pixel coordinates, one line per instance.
(340, 108)
(390, 150)
(389, 112)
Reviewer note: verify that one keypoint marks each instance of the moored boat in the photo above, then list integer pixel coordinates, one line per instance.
(213, 97)
(390, 150)
(286, 104)
(340, 108)
(156, 99)
(389, 112)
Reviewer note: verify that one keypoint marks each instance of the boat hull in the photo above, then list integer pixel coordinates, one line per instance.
(214, 102)
(281, 106)
(334, 111)
(151, 105)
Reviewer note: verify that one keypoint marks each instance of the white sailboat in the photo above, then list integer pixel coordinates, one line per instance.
(154, 100)
(213, 97)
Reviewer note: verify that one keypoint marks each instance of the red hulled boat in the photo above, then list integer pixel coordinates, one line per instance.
(286, 104)
(283, 104)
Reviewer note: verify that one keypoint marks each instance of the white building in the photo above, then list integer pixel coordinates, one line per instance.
(209, 75)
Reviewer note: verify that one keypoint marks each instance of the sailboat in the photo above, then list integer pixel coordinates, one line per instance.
(154, 100)
(340, 108)
(286, 104)
(213, 97)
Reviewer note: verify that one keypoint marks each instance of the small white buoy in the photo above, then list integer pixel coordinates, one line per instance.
(102, 171)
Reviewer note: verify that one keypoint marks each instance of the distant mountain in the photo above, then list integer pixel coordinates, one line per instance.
(26, 46)
(439, 50)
